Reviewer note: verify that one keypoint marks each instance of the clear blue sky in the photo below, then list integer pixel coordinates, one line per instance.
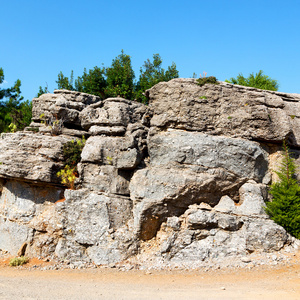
(223, 38)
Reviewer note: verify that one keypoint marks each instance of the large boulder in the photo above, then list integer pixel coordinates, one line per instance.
(191, 167)
(95, 227)
(183, 179)
(28, 217)
(226, 109)
(31, 156)
(62, 105)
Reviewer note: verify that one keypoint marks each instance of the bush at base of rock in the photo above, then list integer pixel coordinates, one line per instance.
(284, 208)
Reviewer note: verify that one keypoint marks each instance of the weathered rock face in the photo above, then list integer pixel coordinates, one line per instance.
(33, 157)
(226, 109)
(187, 174)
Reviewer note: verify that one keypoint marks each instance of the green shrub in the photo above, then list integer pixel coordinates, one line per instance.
(71, 157)
(203, 80)
(259, 81)
(284, 208)
(18, 261)
(68, 176)
(72, 152)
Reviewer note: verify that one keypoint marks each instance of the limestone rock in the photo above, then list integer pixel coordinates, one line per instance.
(89, 220)
(104, 178)
(99, 130)
(31, 156)
(264, 235)
(13, 235)
(62, 105)
(116, 151)
(113, 112)
(251, 201)
(225, 109)
(22, 201)
(240, 157)
(182, 180)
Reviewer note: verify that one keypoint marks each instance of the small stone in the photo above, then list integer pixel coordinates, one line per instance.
(245, 259)
(205, 206)
(274, 257)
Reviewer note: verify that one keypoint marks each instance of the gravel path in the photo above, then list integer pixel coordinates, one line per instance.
(259, 283)
(265, 277)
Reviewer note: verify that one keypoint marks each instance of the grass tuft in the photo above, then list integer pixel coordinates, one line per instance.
(18, 261)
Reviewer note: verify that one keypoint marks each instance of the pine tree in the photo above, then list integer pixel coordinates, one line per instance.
(119, 77)
(259, 80)
(284, 208)
(152, 73)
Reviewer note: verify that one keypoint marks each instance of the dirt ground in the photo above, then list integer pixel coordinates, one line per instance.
(257, 283)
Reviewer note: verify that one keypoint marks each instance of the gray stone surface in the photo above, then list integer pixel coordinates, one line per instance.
(104, 178)
(21, 201)
(183, 180)
(13, 235)
(31, 156)
(89, 223)
(225, 109)
(62, 105)
(114, 112)
(115, 151)
(240, 157)
(264, 235)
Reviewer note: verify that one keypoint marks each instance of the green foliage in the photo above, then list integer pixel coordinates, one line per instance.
(203, 80)
(109, 160)
(284, 208)
(12, 127)
(71, 157)
(18, 261)
(72, 152)
(13, 110)
(152, 73)
(68, 176)
(93, 82)
(259, 80)
(42, 91)
(119, 77)
(64, 83)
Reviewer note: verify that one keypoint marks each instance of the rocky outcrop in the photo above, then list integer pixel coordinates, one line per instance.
(226, 109)
(183, 179)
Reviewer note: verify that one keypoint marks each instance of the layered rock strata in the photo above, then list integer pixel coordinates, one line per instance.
(183, 179)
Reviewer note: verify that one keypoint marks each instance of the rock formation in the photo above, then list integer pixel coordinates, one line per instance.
(183, 179)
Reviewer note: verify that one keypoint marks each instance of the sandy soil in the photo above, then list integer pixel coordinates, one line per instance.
(258, 283)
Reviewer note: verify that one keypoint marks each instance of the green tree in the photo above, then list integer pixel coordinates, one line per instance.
(42, 91)
(13, 110)
(64, 82)
(119, 77)
(93, 82)
(152, 73)
(259, 80)
(284, 208)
